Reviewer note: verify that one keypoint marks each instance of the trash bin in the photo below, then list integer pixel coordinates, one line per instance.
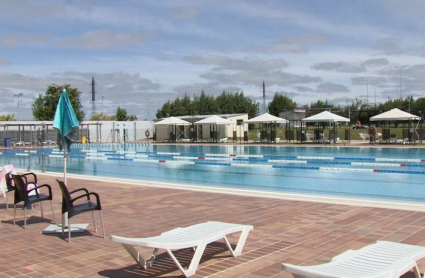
(7, 141)
(83, 139)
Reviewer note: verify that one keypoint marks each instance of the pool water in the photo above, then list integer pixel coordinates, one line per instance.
(382, 173)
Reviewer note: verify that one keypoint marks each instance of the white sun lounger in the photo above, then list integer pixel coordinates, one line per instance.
(382, 259)
(196, 236)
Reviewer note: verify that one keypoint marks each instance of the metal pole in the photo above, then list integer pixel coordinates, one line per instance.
(401, 95)
(148, 105)
(367, 90)
(18, 95)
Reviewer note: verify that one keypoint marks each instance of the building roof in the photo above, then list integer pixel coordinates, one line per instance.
(292, 115)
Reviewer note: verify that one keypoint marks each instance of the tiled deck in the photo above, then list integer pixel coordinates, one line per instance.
(298, 232)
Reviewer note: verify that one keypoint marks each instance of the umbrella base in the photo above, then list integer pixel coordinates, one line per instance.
(57, 228)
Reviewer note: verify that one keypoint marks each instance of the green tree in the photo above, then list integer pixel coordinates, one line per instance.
(280, 103)
(44, 107)
(226, 103)
(132, 118)
(121, 114)
(164, 111)
(8, 117)
(102, 117)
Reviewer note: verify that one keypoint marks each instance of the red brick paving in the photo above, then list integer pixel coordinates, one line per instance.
(284, 231)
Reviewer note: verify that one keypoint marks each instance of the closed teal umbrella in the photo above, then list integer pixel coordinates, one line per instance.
(65, 122)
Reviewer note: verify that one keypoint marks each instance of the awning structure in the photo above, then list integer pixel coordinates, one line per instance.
(266, 118)
(215, 121)
(173, 122)
(268, 121)
(325, 117)
(395, 114)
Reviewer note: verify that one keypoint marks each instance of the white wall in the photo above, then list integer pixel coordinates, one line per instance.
(103, 131)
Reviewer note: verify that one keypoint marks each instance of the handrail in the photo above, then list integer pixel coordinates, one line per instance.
(43, 169)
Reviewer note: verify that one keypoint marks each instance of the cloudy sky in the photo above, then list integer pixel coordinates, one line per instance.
(325, 49)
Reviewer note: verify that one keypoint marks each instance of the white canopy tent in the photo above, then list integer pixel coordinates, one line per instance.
(326, 117)
(171, 123)
(395, 114)
(214, 122)
(268, 120)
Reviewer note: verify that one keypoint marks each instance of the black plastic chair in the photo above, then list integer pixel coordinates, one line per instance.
(72, 209)
(30, 196)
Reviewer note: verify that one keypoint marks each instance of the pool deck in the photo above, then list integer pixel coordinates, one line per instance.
(285, 230)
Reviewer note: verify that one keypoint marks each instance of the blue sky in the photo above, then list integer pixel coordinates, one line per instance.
(307, 50)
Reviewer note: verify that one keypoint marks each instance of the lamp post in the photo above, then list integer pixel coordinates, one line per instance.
(367, 89)
(148, 105)
(18, 95)
(102, 104)
(401, 92)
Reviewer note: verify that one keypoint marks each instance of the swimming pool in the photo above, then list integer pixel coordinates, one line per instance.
(382, 173)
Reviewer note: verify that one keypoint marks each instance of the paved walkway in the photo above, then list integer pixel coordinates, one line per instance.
(298, 232)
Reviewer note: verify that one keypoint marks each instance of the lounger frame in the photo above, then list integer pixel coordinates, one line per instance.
(197, 237)
(383, 259)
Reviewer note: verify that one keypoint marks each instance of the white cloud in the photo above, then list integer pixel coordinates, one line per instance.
(227, 63)
(339, 66)
(331, 88)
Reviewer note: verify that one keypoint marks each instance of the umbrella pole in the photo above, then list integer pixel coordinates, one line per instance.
(64, 215)
(64, 161)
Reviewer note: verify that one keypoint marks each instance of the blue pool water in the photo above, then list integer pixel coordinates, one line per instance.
(383, 173)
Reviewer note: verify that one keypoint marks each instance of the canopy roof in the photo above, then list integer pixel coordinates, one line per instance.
(326, 116)
(266, 118)
(214, 120)
(172, 121)
(395, 114)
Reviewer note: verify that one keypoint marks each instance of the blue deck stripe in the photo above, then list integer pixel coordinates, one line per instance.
(295, 167)
(355, 158)
(161, 156)
(281, 156)
(151, 153)
(123, 159)
(329, 162)
(192, 154)
(251, 159)
(212, 163)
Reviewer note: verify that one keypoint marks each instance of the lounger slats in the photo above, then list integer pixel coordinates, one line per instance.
(197, 236)
(382, 259)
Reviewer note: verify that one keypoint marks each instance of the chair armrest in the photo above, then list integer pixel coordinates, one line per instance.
(79, 189)
(88, 198)
(29, 174)
(40, 186)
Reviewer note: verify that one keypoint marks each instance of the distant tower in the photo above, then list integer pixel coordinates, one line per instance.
(93, 98)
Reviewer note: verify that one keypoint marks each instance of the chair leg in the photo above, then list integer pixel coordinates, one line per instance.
(69, 231)
(101, 220)
(94, 221)
(14, 213)
(7, 202)
(53, 212)
(25, 217)
(41, 208)
(63, 223)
